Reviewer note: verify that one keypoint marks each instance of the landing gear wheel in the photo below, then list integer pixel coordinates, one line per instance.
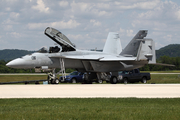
(56, 81)
(73, 80)
(125, 80)
(100, 81)
(144, 80)
(114, 80)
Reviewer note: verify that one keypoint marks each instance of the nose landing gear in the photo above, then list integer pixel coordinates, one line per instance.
(52, 76)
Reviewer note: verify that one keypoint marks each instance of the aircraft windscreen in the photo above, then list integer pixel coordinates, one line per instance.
(59, 34)
(64, 37)
(60, 38)
(43, 50)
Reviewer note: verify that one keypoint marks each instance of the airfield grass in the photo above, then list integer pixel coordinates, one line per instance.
(14, 78)
(168, 71)
(164, 78)
(155, 78)
(90, 108)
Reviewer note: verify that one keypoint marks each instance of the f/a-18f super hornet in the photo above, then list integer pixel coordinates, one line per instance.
(104, 65)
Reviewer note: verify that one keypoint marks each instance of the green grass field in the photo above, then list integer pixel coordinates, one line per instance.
(90, 108)
(169, 71)
(164, 78)
(13, 78)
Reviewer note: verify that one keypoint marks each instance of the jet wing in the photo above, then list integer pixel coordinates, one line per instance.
(78, 57)
(117, 58)
(60, 38)
(96, 57)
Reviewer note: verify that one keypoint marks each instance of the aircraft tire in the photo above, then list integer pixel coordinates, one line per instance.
(113, 80)
(144, 80)
(74, 80)
(100, 81)
(56, 81)
(125, 80)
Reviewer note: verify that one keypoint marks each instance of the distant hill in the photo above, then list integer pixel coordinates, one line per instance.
(9, 54)
(172, 50)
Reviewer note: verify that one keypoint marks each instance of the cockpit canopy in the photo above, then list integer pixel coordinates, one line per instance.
(60, 38)
(51, 50)
(43, 50)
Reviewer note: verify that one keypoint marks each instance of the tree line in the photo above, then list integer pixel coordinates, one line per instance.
(163, 59)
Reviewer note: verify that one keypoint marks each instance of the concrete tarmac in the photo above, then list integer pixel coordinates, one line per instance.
(91, 91)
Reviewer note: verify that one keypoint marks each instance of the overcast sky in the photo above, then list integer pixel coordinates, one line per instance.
(87, 23)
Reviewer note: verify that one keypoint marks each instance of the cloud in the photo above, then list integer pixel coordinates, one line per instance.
(41, 7)
(61, 24)
(65, 25)
(75, 37)
(89, 9)
(178, 14)
(168, 38)
(160, 18)
(162, 23)
(14, 34)
(137, 4)
(14, 15)
(80, 6)
(8, 9)
(95, 23)
(88, 22)
(9, 21)
(130, 33)
(121, 30)
(63, 3)
(8, 28)
(103, 6)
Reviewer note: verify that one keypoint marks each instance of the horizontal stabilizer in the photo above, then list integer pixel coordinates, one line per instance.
(162, 64)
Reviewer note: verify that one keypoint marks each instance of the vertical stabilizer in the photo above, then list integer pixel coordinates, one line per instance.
(143, 49)
(147, 51)
(113, 44)
(132, 48)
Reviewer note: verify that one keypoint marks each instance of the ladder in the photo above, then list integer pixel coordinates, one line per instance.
(62, 71)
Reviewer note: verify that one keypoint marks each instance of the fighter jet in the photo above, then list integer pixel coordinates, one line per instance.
(103, 65)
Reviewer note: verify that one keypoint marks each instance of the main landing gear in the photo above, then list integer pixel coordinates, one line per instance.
(100, 77)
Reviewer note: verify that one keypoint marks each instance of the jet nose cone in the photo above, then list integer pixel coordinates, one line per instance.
(17, 63)
(8, 64)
